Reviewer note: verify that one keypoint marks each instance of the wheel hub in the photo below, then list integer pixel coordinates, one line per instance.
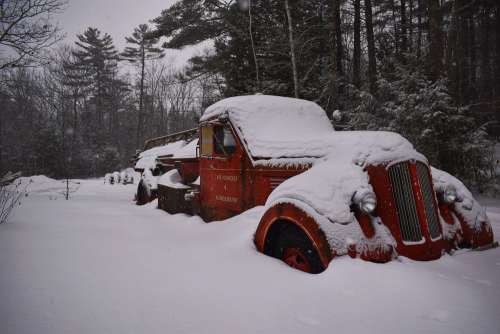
(296, 259)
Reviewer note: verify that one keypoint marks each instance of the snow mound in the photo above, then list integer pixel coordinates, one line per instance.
(172, 179)
(39, 183)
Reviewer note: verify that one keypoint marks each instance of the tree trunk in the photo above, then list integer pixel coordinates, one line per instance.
(257, 75)
(404, 37)
(338, 39)
(395, 26)
(485, 54)
(436, 40)
(419, 27)
(356, 66)
(372, 64)
(292, 50)
(472, 53)
(335, 60)
(497, 56)
(335, 24)
(410, 26)
(455, 54)
(141, 100)
(497, 52)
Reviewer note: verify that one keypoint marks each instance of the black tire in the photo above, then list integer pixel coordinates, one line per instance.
(291, 236)
(142, 196)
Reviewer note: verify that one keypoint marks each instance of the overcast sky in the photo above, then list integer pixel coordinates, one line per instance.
(116, 17)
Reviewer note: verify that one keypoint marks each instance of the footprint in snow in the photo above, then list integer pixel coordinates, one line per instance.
(440, 315)
(308, 321)
(478, 281)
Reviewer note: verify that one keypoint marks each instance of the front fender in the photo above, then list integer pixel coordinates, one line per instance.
(291, 213)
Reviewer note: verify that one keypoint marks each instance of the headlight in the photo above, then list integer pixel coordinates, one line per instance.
(450, 194)
(366, 202)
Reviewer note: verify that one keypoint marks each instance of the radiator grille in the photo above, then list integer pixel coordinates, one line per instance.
(406, 208)
(428, 197)
(274, 182)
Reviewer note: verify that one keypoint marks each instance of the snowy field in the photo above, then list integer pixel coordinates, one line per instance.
(99, 264)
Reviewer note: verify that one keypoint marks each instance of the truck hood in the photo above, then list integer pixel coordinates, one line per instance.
(329, 185)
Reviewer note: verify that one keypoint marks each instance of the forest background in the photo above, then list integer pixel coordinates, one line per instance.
(428, 69)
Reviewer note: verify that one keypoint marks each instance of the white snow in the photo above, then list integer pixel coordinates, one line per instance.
(149, 180)
(41, 184)
(147, 159)
(99, 264)
(467, 206)
(178, 149)
(172, 179)
(188, 151)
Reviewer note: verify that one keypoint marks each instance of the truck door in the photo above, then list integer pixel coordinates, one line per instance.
(220, 172)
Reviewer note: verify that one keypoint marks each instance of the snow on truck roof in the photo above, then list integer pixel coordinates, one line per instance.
(275, 126)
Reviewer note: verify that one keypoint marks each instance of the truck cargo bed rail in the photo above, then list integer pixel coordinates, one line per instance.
(163, 140)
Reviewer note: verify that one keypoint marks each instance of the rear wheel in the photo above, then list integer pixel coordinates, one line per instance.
(143, 195)
(293, 247)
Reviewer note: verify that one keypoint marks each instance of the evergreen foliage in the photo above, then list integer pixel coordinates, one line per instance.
(142, 50)
(383, 64)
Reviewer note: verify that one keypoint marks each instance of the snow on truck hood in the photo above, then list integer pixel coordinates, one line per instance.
(329, 185)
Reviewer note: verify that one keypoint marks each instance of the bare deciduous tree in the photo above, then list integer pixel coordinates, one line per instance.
(11, 192)
(26, 30)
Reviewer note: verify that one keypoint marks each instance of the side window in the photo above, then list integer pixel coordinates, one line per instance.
(224, 142)
(229, 141)
(207, 142)
(217, 140)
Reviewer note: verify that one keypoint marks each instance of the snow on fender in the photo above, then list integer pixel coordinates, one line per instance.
(465, 219)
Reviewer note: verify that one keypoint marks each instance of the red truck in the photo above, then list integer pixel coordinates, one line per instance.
(325, 193)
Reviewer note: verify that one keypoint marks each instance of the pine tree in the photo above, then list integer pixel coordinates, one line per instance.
(142, 50)
(97, 57)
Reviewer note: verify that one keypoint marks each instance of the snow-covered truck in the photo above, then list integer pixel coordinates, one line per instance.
(325, 193)
(148, 162)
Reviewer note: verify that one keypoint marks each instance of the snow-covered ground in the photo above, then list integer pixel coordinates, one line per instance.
(99, 264)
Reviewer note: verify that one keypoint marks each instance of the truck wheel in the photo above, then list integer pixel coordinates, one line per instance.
(294, 248)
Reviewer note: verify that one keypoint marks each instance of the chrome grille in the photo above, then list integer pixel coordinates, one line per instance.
(406, 207)
(428, 197)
